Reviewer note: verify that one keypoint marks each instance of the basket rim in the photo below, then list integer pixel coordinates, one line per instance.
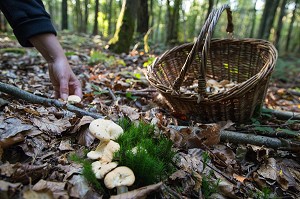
(235, 90)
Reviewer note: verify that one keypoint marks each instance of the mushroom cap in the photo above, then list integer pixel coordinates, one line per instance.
(120, 176)
(102, 168)
(104, 151)
(105, 129)
(74, 99)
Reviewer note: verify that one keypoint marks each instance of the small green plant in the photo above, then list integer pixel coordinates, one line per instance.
(150, 158)
(205, 159)
(209, 186)
(265, 194)
(87, 171)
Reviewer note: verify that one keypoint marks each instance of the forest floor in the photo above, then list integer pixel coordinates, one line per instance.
(36, 141)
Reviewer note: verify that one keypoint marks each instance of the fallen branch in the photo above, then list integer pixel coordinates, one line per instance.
(21, 94)
(244, 138)
(284, 115)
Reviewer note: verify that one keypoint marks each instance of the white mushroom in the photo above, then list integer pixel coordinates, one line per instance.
(120, 177)
(105, 130)
(72, 99)
(104, 151)
(102, 168)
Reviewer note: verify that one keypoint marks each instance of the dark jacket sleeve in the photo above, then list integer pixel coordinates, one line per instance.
(27, 18)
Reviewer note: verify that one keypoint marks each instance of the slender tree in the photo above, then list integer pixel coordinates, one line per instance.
(86, 16)
(173, 21)
(79, 18)
(125, 27)
(95, 29)
(64, 14)
(280, 23)
(253, 19)
(143, 17)
(210, 6)
(110, 3)
(291, 27)
(267, 18)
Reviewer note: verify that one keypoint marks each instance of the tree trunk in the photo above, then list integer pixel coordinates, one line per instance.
(64, 14)
(95, 29)
(123, 36)
(158, 23)
(86, 16)
(173, 21)
(279, 23)
(253, 20)
(143, 17)
(210, 6)
(291, 27)
(79, 22)
(109, 17)
(267, 19)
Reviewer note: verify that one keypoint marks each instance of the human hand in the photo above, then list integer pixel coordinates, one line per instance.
(63, 79)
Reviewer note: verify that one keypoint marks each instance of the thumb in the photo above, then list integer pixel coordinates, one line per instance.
(64, 88)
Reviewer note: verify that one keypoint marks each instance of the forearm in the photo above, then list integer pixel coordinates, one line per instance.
(48, 45)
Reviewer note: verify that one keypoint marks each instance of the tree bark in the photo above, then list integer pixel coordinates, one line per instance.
(291, 27)
(86, 16)
(210, 6)
(110, 17)
(64, 14)
(173, 21)
(253, 20)
(35, 99)
(267, 19)
(123, 36)
(95, 29)
(143, 17)
(79, 22)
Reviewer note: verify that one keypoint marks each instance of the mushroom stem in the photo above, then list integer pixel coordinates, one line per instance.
(122, 189)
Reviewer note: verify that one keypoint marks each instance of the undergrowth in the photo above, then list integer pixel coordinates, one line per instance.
(87, 171)
(148, 156)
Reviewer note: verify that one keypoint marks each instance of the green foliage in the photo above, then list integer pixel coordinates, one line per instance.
(98, 90)
(209, 185)
(205, 159)
(20, 51)
(265, 194)
(150, 158)
(149, 61)
(87, 171)
(286, 67)
(100, 57)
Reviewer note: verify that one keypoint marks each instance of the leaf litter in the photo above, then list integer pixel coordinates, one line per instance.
(36, 141)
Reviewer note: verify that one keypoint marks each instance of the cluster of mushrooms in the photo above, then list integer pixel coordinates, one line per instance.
(212, 87)
(120, 177)
(107, 131)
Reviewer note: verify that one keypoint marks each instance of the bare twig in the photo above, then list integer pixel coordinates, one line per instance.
(21, 94)
(284, 115)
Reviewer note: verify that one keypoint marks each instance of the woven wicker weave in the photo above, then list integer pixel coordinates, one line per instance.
(249, 62)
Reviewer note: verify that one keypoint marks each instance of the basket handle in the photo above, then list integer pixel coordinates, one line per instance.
(205, 35)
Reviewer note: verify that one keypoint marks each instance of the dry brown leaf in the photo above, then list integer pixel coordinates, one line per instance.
(79, 186)
(30, 194)
(57, 188)
(5, 186)
(55, 127)
(83, 121)
(65, 145)
(12, 126)
(268, 169)
(138, 193)
(239, 178)
(130, 112)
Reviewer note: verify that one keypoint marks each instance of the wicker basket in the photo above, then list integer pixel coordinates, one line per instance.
(249, 62)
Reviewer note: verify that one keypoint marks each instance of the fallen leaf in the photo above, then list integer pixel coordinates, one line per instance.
(65, 145)
(53, 127)
(12, 126)
(268, 170)
(30, 194)
(139, 193)
(57, 188)
(79, 186)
